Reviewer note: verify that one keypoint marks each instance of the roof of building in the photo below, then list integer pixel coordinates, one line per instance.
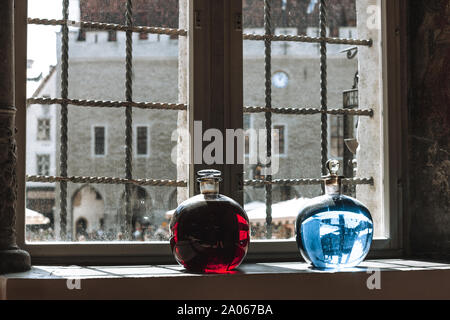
(299, 14)
(44, 82)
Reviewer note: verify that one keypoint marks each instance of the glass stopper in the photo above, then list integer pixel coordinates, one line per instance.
(333, 167)
(209, 174)
(209, 181)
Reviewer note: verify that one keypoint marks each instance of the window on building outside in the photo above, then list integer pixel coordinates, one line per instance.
(247, 126)
(112, 35)
(279, 134)
(336, 137)
(99, 141)
(142, 141)
(43, 164)
(43, 129)
(143, 36)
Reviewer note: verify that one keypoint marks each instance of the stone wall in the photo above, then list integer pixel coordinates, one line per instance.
(429, 128)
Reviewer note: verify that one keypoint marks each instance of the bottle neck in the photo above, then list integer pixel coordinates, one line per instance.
(333, 185)
(209, 186)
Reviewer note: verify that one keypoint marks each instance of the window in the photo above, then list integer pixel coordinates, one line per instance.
(312, 104)
(143, 36)
(43, 164)
(43, 129)
(112, 35)
(280, 135)
(247, 126)
(81, 35)
(336, 136)
(99, 141)
(115, 85)
(178, 77)
(142, 141)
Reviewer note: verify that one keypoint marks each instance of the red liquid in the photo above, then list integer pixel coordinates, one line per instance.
(210, 236)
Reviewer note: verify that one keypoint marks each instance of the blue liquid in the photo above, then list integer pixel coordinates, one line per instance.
(336, 235)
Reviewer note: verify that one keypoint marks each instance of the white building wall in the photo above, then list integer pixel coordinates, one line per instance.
(34, 146)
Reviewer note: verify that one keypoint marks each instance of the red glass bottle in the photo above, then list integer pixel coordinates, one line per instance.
(209, 232)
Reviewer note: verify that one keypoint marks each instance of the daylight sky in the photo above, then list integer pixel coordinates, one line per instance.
(42, 39)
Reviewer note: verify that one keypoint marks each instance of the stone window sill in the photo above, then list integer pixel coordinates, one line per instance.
(398, 279)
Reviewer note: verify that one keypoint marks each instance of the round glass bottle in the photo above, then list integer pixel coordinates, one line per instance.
(334, 231)
(209, 232)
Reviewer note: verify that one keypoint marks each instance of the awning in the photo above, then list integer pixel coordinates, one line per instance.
(284, 212)
(33, 217)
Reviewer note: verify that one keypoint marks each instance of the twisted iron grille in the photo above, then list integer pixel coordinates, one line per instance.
(324, 110)
(128, 105)
(268, 37)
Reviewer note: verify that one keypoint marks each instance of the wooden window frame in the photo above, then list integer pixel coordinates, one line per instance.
(202, 80)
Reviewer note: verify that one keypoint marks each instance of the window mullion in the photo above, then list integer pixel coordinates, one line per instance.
(217, 98)
(234, 184)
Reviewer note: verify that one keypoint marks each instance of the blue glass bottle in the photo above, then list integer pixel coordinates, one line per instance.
(334, 231)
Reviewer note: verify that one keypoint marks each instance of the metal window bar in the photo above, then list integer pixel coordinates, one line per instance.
(323, 84)
(307, 39)
(64, 119)
(268, 113)
(109, 104)
(128, 115)
(107, 180)
(108, 26)
(180, 106)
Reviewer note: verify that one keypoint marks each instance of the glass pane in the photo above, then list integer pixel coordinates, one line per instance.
(96, 136)
(296, 83)
(40, 207)
(97, 213)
